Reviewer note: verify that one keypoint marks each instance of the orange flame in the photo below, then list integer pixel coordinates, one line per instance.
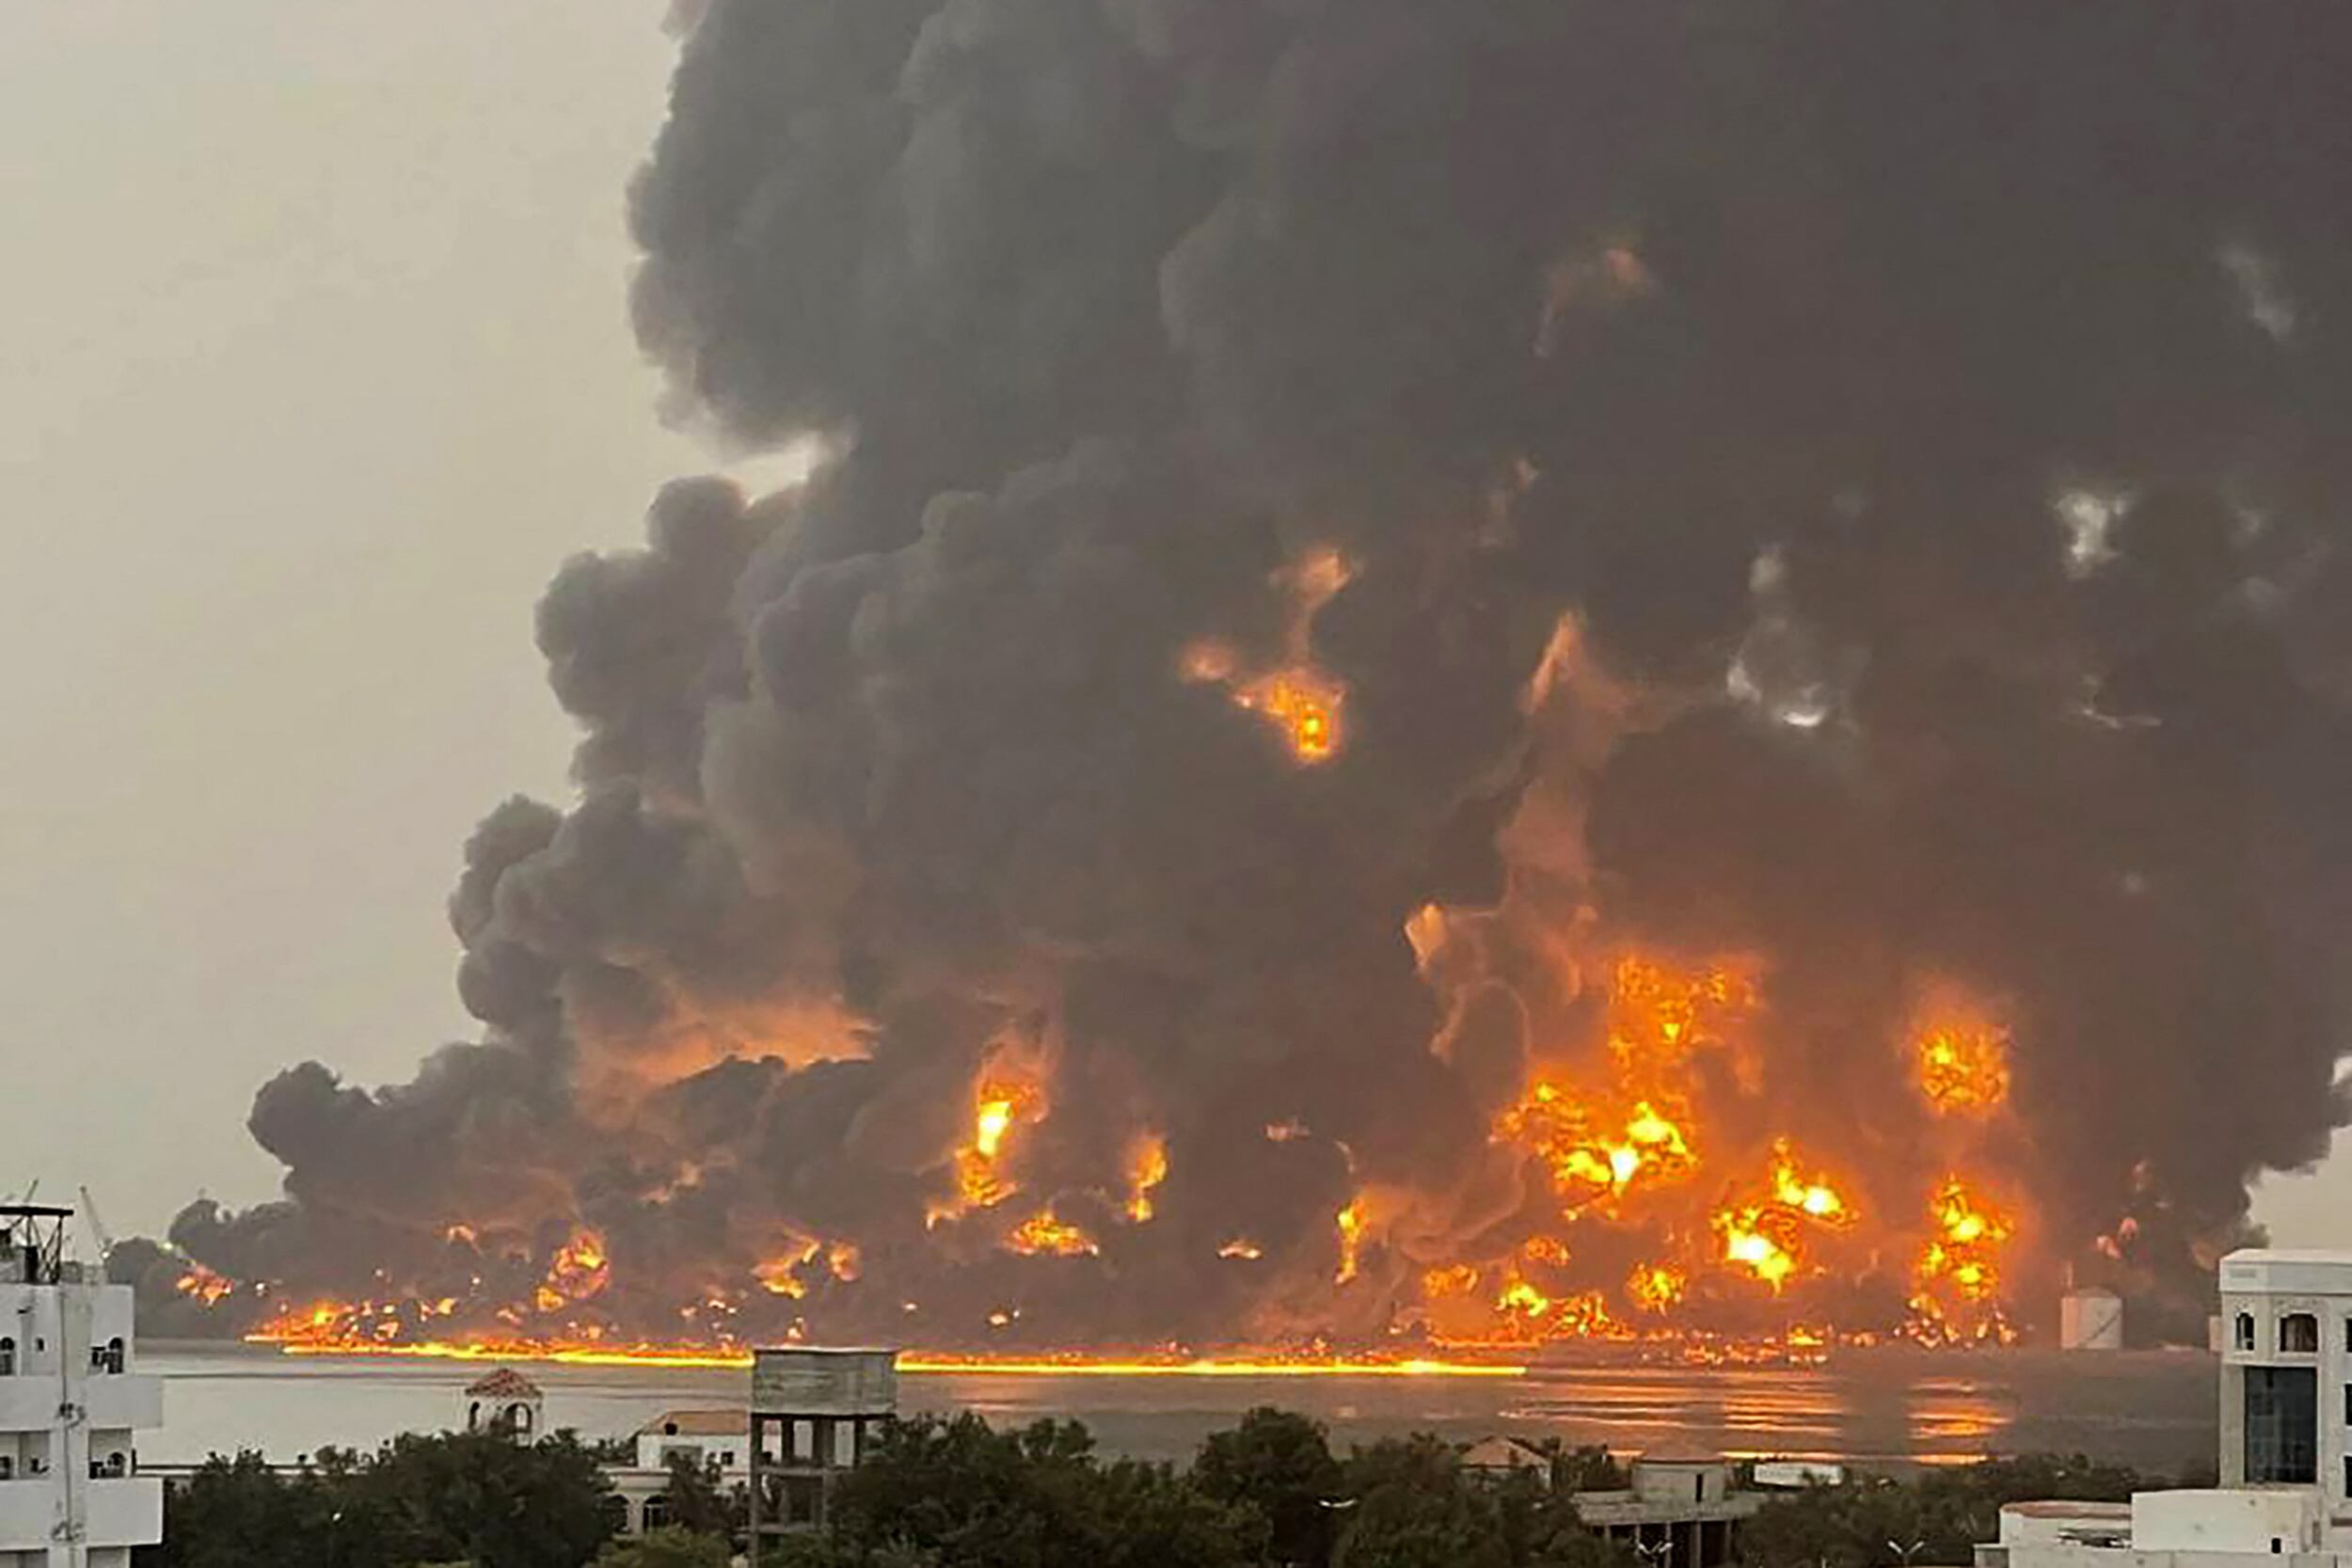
(1657, 1287)
(1041, 1233)
(201, 1285)
(1304, 704)
(1964, 1070)
(1351, 1229)
(1146, 1170)
(998, 1106)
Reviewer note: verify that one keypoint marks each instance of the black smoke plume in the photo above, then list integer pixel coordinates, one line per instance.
(1863, 486)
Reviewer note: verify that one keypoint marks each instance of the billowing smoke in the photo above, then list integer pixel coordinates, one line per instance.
(1845, 501)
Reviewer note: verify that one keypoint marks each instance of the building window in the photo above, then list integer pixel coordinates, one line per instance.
(2245, 1340)
(2348, 1474)
(2298, 1334)
(7, 1356)
(2281, 1426)
(657, 1512)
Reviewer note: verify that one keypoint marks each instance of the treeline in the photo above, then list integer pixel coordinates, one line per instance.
(935, 1493)
(954, 1493)
(1938, 1515)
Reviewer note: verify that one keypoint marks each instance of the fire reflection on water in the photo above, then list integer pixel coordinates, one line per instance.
(2153, 1410)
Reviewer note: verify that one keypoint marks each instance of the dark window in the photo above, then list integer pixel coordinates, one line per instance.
(657, 1511)
(2348, 1474)
(2281, 1426)
(2246, 1331)
(2298, 1334)
(7, 1357)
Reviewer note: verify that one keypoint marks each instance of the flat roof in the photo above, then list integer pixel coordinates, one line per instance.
(2047, 1509)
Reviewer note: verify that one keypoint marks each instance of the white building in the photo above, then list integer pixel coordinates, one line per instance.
(71, 1403)
(2286, 1443)
(717, 1442)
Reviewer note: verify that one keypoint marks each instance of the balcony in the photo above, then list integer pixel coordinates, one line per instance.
(28, 1511)
(124, 1403)
(127, 1513)
(28, 1403)
(131, 1402)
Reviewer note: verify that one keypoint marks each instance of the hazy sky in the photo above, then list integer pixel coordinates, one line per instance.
(316, 365)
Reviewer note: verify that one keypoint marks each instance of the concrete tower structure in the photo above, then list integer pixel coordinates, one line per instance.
(71, 1401)
(813, 1414)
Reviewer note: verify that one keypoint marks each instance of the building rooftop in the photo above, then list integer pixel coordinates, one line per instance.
(2047, 1509)
(698, 1423)
(504, 1384)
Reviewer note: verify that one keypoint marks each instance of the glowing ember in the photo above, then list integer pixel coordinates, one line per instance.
(1041, 1233)
(1241, 1248)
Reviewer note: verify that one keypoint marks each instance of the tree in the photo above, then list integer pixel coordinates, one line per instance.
(667, 1548)
(240, 1514)
(695, 1501)
(1949, 1511)
(1413, 1508)
(467, 1497)
(1281, 1465)
(481, 1497)
(1147, 1516)
(957, 1492)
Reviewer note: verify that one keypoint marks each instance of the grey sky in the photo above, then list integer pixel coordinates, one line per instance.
(317, 365)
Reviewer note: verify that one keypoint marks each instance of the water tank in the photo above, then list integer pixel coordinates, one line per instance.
(2090, 1320)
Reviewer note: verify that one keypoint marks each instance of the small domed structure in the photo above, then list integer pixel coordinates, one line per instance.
(506, 1402)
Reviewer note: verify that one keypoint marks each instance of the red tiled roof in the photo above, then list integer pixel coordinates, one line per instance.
(504, 1384)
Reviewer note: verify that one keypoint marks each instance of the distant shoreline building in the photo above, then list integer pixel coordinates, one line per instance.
(71, 1404)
